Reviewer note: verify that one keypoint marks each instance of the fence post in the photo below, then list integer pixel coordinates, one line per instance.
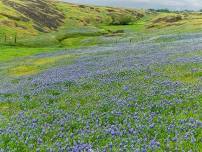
(15, 39)
(5, 38)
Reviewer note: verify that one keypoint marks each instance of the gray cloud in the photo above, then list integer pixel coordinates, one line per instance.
(171, 4)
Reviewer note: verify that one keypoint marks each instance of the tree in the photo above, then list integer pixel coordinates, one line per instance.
(122, 19)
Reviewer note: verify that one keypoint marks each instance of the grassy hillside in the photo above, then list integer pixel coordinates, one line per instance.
(60, 20)
(177, 22)
(45, 23)
(50, 23)
(29, 17)
(34, 25)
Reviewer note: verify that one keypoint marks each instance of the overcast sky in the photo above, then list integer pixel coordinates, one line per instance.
(171, 4)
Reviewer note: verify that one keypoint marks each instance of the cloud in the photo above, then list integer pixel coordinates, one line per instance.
(171, 4)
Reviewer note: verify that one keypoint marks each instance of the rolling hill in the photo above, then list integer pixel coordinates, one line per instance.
(45, 23)
(33, 17)
(52, 23)
(29, 17)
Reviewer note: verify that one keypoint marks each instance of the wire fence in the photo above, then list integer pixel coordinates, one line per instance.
(8, 38)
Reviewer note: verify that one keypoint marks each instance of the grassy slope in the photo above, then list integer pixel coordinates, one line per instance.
(72, 19)
(79, 26)
(75, 20)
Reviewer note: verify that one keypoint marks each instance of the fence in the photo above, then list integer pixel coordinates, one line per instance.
(8, 38)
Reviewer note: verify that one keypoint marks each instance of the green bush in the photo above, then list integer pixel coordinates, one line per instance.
(160, 10)
(122, 19)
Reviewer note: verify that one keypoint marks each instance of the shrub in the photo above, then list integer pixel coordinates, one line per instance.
(122, 19)
(163, 10)
(160, 10)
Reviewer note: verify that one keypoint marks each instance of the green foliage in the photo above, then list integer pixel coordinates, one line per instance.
(161, 10)
(122, 19)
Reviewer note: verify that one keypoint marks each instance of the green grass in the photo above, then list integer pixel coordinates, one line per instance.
(12, 53)
(83, 26)
(190, 73)
(184, 72)
(36, 65)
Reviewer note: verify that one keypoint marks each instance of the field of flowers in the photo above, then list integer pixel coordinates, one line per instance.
(125, 96)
